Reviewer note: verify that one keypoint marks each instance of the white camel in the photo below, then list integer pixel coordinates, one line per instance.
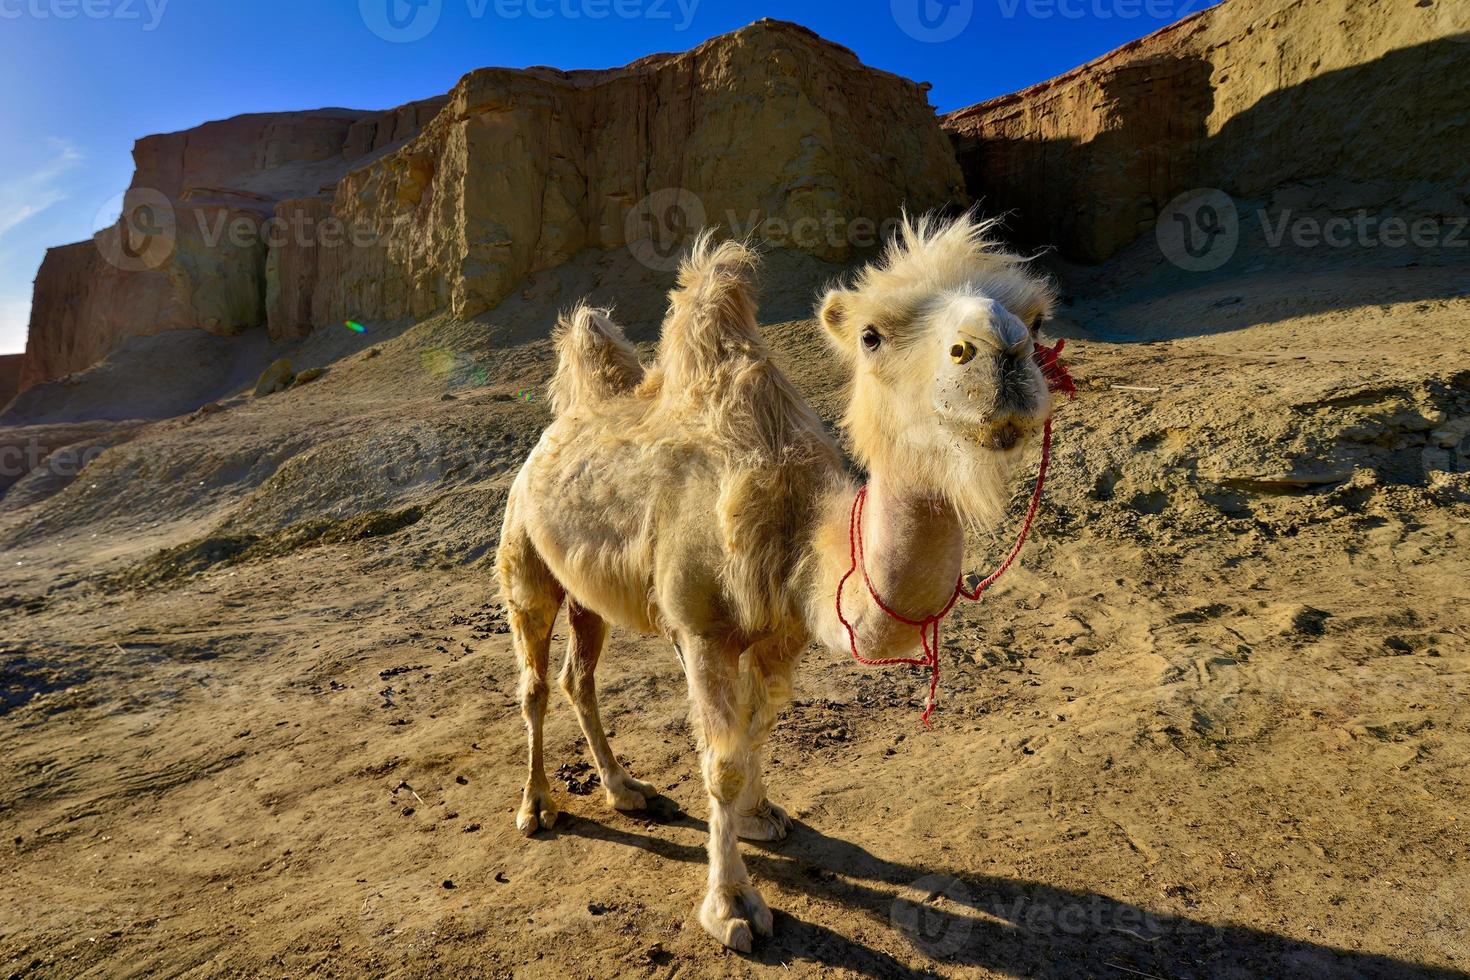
(701, 499)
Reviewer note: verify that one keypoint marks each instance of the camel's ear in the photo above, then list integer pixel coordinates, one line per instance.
(835, 316)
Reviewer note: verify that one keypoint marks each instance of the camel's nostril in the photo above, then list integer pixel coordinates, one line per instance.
(962, 353)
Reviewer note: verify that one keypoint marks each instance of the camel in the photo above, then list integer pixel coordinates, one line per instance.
(702, 500)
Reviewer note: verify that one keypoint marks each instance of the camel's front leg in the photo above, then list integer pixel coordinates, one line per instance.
(732, 908)
(766, 688)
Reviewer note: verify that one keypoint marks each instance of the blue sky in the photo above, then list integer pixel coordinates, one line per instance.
(82, 79)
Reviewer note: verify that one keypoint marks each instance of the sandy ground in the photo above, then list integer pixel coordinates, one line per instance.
(1213, 726)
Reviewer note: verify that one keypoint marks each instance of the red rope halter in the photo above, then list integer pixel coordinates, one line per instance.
(1058, 380)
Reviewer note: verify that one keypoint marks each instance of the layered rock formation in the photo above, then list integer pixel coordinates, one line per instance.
(190, 248)
(301, 219)
(1340, 103)
(525, 168)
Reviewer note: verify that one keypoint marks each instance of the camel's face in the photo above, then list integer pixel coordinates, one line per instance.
(945, 387)
(988, 387)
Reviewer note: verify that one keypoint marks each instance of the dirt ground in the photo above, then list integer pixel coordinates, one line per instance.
(258, 711)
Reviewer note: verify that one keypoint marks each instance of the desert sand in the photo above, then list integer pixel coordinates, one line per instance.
(259, 709)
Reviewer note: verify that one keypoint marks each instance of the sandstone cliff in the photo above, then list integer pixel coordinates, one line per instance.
(297, 220)
(190, 250)
(9, 376)
(525, 168)
(1337, 103)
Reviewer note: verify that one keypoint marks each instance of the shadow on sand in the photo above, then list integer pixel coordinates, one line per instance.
(1011, 926)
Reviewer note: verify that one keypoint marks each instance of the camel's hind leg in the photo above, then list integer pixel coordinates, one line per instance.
(765, 689)
(589, 632)
(532, 597)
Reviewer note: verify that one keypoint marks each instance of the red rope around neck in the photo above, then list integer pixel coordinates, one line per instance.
(1058, 380)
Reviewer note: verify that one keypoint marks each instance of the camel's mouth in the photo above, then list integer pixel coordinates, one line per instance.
(1005, 435)
(998, 435)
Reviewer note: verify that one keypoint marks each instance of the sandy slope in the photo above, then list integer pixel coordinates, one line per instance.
(1212, 726)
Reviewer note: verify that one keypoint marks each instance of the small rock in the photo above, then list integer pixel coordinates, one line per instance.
(448, 883)
(308, 376)
(447, 397)
(471, 828)
(461, 780)
(597, 908)
(277, 377)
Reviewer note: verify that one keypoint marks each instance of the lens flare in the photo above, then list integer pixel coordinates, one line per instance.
(354, 326)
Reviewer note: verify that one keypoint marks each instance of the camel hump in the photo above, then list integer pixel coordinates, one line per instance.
(711, 320)
(594, 360)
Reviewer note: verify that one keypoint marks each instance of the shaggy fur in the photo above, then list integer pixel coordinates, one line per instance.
(703, 500)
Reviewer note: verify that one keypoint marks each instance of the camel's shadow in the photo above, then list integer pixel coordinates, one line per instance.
(1016, 927)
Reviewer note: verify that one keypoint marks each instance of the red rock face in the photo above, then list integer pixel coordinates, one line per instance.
(1344, 101)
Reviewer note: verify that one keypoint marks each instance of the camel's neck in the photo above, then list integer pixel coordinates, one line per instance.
(914, 547)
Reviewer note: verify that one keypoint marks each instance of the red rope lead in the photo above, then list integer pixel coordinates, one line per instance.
(1058, 380)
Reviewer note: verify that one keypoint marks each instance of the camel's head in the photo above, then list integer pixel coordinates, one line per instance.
(945, 389)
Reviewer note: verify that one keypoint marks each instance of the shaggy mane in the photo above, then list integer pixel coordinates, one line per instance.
(931, 255)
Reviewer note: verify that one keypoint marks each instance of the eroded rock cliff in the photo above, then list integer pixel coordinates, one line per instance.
(769, 129)
(301, 219)
(191, 246)
(1336, 103)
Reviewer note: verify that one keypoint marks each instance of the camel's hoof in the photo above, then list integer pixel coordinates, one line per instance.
(733, 913)
(630, 794)
(768, 823)
(537, 812)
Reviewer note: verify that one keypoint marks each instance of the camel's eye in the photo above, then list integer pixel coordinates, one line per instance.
(872, 339)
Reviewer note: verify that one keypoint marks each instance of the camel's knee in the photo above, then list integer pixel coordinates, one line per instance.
(725, 774)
